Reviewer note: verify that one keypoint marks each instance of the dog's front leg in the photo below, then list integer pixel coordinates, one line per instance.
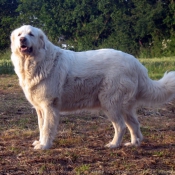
(40, 115)
(48, 127)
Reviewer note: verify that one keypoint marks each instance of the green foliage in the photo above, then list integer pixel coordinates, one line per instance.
(136, 27)
(7, 20)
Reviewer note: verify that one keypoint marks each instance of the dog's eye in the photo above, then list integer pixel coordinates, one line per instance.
(31, 34)
(19, 34)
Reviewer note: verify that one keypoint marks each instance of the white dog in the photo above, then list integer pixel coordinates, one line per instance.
(56, 80)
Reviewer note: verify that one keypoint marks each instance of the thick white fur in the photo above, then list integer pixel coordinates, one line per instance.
(56, 80)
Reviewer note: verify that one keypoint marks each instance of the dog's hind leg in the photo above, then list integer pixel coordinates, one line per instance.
(110, 102)
(134, 127)
(119, 128)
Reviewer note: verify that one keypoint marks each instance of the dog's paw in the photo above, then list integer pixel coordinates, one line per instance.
(137, 143)
(39, 146)
(111, 145)
(42, 147)
(36, 142)
(129, 144)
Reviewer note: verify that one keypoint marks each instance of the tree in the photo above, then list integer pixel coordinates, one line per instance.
(7, 16)
(149, 27)
(169, 21)
(133, 26)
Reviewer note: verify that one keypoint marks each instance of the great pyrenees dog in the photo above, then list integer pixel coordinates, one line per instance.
(55, 80)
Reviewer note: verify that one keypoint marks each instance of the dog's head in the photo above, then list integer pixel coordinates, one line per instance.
(27, 40)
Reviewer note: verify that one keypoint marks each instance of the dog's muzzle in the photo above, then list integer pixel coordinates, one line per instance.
(24, 46)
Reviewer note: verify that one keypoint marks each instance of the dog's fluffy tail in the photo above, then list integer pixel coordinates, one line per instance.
(157, 92)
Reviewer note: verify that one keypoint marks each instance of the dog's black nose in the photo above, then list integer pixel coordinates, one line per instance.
(22, 39)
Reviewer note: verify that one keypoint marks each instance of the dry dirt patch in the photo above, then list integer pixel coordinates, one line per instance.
(79, 145)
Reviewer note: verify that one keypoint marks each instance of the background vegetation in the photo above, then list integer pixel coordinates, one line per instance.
(143, 28)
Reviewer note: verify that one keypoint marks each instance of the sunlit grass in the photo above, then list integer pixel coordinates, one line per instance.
(156, 66)
(6, 66)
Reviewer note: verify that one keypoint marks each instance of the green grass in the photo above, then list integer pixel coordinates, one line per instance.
(5, 55)
(82, 169)
(6, 66)
(156, 66)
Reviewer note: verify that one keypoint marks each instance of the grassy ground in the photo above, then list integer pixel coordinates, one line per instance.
(156, 66)
(79, 146)
(5, 63)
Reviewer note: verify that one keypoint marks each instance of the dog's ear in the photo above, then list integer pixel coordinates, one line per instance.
(12, 39)
(42, 39)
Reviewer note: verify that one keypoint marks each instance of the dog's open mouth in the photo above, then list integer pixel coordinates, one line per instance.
(26, 49)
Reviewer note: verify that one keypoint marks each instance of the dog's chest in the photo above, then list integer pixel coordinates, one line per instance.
(30, 94)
